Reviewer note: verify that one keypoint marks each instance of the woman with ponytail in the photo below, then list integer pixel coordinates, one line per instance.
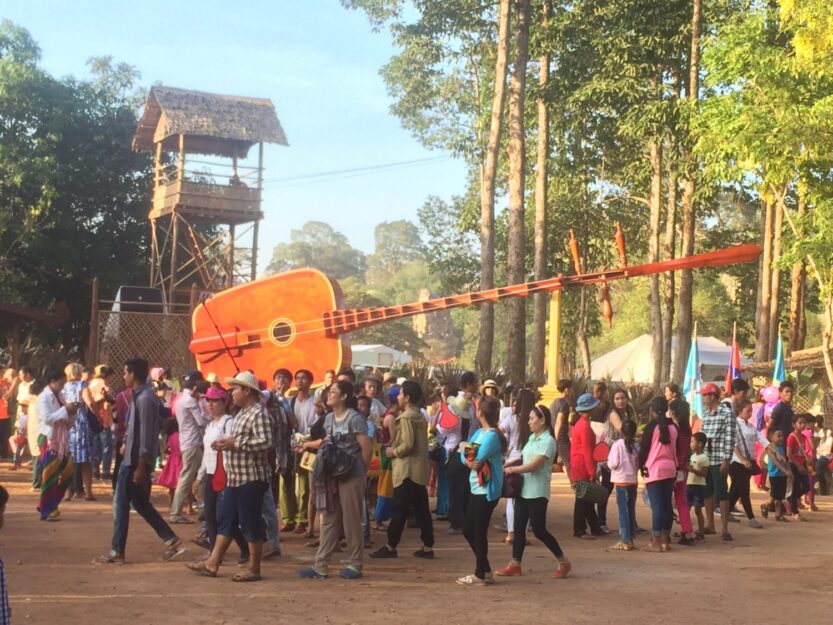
(483, 455)
(531, 506)
(658, 462)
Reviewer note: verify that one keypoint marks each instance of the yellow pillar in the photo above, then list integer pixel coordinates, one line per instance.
(549, 392)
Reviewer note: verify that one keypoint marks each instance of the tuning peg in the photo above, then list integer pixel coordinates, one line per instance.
(573, 245)
(620, 245)
(607, 308)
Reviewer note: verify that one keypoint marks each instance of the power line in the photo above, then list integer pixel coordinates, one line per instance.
(349, 173)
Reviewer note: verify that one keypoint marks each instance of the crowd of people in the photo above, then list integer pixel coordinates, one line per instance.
(252, 461)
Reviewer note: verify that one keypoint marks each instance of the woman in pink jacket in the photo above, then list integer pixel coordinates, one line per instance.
(658, 461)
(583, 467)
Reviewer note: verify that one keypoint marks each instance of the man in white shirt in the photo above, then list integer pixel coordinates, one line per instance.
(192, 418)
(303, 407)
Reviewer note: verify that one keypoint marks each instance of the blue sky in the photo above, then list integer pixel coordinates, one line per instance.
(318, 62)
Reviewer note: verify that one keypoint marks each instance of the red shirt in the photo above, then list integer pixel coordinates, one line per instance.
(795, 448)
(582, 442)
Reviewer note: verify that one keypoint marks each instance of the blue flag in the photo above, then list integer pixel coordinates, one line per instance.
(778, 372)
(691, 383)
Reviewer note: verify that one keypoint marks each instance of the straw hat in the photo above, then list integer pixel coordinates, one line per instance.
(213, 378)
(489, 384)
(244, 379)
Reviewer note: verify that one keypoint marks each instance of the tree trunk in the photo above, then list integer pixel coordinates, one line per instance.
(515, 271)
(685, 318)
(485, 345)
(798, 291)
(774, 308)
(827, 339)
(539, 316)
(668, 278)
(762, 346)
(655, 158)
(581, 334)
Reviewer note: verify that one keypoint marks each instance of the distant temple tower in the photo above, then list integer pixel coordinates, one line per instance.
(202, 208)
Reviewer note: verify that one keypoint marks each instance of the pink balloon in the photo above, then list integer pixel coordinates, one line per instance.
(770, 395)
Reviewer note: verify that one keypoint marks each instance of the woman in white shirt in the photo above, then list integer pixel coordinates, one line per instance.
(516, 430)
(743, 461)
(219, 427)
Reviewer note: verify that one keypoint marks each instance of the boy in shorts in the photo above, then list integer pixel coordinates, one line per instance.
(695, 490)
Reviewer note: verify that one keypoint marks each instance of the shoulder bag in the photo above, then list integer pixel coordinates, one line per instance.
(755, 469)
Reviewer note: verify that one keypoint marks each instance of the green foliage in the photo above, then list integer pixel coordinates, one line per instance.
(73, 195)
(317, 245)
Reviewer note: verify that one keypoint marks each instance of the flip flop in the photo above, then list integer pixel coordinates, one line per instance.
(245, 576)
(199, 568)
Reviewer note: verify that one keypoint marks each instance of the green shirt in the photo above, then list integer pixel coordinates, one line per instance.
(537, 483)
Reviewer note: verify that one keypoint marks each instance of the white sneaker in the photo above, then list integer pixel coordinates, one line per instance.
(471, 580)
(756, 524)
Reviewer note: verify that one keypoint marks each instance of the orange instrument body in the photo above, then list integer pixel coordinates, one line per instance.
(273, 322)
(296, 319)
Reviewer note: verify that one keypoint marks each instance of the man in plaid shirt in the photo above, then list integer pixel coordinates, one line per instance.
(719, 428)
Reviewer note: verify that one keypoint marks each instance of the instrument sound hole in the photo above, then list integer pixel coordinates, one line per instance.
(282, 332)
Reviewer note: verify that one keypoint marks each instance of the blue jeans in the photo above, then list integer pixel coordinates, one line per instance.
(442, 485)
(138, 495)
(270, 517)
(661, 495)
(105, 438)
(626, 501)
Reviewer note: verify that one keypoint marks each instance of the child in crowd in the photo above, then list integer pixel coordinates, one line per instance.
(695, 490)
(810, 442)
(169, 477)
(777, 471)
(623, 465)
(21, 439)
(797, 457)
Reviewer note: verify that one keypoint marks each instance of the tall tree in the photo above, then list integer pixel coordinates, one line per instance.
(516, 253)
(539, 315)
(655, 199)
(317, 244)
(488, 174)
(685, 319)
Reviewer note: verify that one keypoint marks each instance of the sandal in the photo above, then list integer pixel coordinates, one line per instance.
(109, 558)
(508, 538)
(199, 568)
(651, 548)
(726, 536)
(246, 575)
(620, 546)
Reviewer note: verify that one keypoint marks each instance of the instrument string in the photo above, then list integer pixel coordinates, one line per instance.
(342, 321)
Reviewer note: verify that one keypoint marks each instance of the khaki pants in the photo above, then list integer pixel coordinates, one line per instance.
(347, 514)
(191, 461)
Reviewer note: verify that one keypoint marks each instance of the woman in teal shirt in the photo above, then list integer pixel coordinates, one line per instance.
(531, 506)
(483, 455)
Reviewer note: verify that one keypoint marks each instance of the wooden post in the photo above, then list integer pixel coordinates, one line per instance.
(174, 246)
(256, 228)
(549, 392)
(194, 301)
(230, 273)
(92, 347)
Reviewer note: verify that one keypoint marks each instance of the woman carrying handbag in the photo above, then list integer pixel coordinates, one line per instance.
(743, 465)
(583, 471)
(531, 505)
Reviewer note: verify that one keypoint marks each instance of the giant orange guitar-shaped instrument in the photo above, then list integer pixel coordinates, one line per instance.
(296, 319)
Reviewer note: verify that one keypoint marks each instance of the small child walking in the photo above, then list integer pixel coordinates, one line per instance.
(695, 490)
(623, 464)
(797, 457)
(777, 470)
(169, 477)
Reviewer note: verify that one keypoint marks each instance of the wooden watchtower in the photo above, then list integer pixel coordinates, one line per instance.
(203, 210)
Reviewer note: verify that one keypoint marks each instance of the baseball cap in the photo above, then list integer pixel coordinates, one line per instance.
(190, 379)
(710, 389)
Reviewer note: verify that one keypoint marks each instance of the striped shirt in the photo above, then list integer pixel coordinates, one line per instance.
(253, 439)
(719, 428)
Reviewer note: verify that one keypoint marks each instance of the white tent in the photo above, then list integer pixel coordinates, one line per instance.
(378, 356)
(632, 361)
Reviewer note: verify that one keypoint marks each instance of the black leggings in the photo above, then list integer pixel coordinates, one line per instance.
(533, 511)
(739, 490)
(801, 485)
(410, 497)
(476, 530)
(584, 516)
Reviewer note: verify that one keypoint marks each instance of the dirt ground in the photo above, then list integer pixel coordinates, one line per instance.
(51, 578)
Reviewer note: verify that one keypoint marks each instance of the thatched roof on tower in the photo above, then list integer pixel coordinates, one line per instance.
(212, 123)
